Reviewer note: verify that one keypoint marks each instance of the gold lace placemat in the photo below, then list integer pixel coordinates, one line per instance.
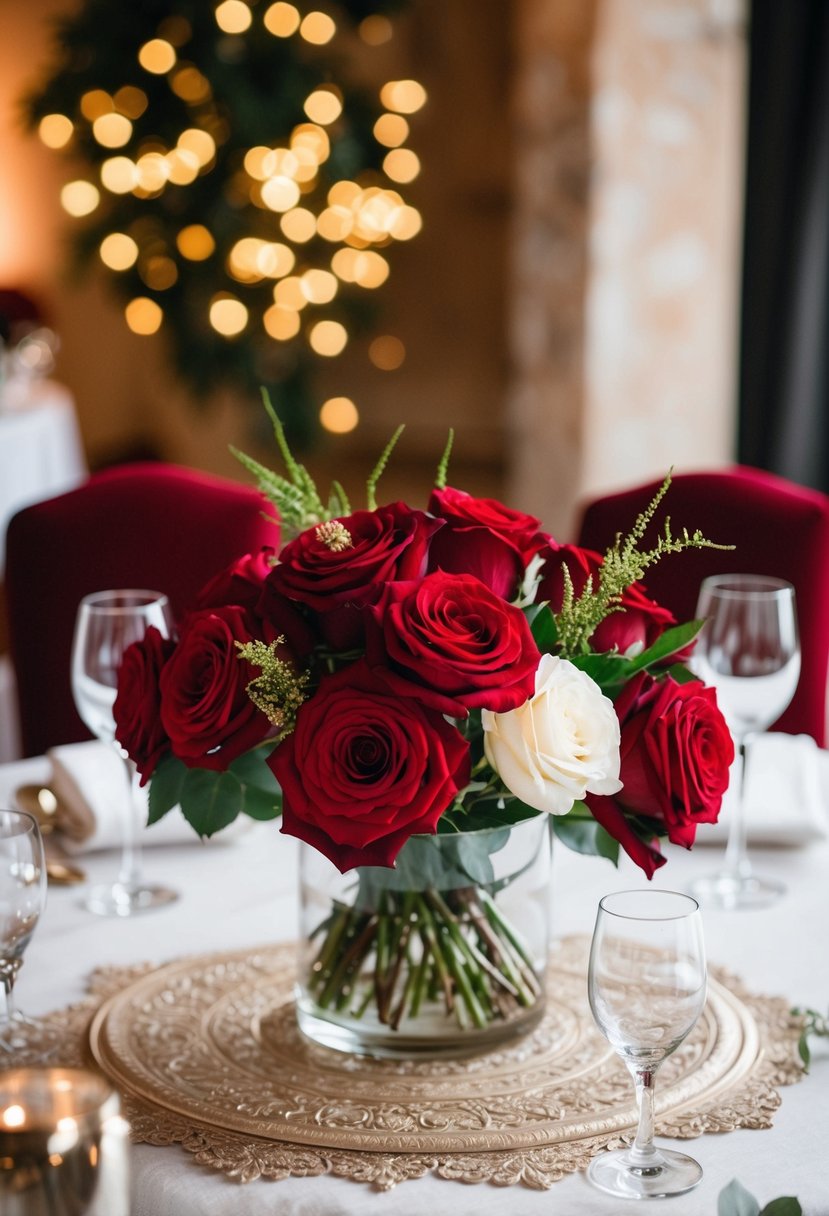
(207, 1054)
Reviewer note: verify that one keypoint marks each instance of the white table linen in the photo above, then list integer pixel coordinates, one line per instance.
(244, 893)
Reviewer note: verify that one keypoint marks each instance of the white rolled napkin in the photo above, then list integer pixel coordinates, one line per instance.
(786, 796)
(89, 781)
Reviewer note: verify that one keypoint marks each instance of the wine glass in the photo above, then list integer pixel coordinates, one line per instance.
(22, 899)
(107, 623)
(646, 983)
(749, 650)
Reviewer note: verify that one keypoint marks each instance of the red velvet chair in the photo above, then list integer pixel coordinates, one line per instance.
(141, 525)
(778, 528)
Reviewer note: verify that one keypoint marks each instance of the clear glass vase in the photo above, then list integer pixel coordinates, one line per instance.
(443, 955)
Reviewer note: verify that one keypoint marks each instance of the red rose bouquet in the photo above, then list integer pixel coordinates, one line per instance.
(396, 673)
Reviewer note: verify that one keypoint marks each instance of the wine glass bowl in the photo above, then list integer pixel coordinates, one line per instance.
(22, 899)
(108, 622)
(749, 650)
(646, 986)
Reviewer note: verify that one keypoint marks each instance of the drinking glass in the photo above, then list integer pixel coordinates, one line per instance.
(22, 898)
(107, 623)
(750, 651)
(646, 983)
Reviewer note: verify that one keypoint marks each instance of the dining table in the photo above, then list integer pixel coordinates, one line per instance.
(240, 894)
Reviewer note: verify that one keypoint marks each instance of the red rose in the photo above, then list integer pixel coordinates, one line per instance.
(241, 583)
(137, 704)
(205, 710)
(676, 752)
(460, 642)
(338, 567)
(365, 769)
(484, 538)
(638, 621)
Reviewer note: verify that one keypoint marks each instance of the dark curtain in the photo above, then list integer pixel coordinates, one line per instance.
(784, 372)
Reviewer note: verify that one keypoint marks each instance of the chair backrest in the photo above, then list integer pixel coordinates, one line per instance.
(778, 528)
(138, 525)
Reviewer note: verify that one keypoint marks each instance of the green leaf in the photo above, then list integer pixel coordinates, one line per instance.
(210, 801)
(251, 768)
(488, 814)
(735, 1200)
(804, 1051)
(165, 788)
(786, 1205)
(610, 671)
(586, 836)
(543, 629)
(261, 804)
(668, 643)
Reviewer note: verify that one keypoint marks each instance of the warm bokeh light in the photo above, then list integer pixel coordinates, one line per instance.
(313, 139)
(401, 165)
(298, 225)
(405, 223)
(159, 56)
(323, 106)
(387, 353)
(289, 294)
(119, 175)
(319, 286)
(335, 223)
(112, 130)
(280, 193)
(282, 20)
(256, 161)
(281, 323)
(233, 16)
(252, 259)
(200, 143)
(118, 251)
(370, 269)
(190, 85)
(375, 30)
(159, 273)
(391, 130)
(95, 103)
(339, 415)
(153, 172)
(228, 316)
(195, 243)
(130, 101)
(143, 316)
(55, 130)
(328, 338)
(79, 198)
(317, 28)
(403, 96)
(182, 166)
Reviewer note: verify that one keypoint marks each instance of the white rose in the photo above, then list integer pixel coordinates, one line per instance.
(559, 745)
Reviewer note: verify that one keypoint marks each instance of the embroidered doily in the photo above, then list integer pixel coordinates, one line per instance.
(207, 1054)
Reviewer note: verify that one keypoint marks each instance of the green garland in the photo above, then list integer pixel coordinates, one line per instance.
(247, 90)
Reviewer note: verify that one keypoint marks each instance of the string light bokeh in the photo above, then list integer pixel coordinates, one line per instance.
(244, 202)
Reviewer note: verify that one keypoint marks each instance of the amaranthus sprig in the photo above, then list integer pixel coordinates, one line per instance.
(624, 563)
(279, 691)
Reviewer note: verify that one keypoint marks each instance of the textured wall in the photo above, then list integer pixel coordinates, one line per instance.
(647, 255)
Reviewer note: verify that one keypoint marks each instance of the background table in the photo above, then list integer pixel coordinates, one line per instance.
(244, 893)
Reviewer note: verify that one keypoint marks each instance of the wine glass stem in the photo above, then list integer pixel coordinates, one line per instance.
(736, 859)
(129, 875)
(643, 1149)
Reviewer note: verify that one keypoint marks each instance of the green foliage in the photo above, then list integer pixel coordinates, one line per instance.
(814, 1023)
(624, 563)
(377, 472)
(211, 800)
(250, 92)
(735, 1200)
(443, 466)
(581, 833)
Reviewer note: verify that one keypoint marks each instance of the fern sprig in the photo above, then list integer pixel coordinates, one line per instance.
(443, 466)
(377, 472)
(624, 563)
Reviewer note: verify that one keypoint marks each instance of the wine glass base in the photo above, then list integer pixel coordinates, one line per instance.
(728, 890)
(620, 1174)
(118, 899)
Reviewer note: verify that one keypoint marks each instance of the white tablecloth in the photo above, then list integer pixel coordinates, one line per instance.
(243, 893)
